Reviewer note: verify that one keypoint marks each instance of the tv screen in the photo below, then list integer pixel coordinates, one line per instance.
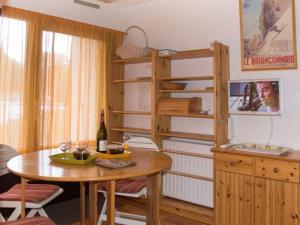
(261, 97)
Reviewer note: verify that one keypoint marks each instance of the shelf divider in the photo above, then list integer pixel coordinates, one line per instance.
(185, 78)
(131, 112)
(133, 60)
(136, 80)
(131, 130)
(198, 53)
(204, 116)
(187, 91)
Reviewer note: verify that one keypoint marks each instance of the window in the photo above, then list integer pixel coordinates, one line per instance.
(52, 74)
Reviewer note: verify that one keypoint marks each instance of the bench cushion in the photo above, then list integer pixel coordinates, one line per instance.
(127, 185)
(34, 193)
(30, 221)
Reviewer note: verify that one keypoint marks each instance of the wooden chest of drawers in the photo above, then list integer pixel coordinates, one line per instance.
(256, 189)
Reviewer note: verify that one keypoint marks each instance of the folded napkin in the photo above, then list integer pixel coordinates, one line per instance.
(114, 163)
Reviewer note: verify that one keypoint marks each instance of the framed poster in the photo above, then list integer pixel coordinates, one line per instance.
(268, 38)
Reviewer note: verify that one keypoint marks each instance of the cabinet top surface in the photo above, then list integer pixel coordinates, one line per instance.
(290, 156)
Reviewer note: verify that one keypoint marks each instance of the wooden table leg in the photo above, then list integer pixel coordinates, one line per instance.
(23, 203)
(93, 194)
(111, 190)
(153, 199)
(82, 203)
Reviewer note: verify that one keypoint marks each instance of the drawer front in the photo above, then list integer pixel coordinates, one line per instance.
(277, 169)
(234, 163)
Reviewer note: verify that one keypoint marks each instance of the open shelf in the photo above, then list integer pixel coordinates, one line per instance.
(132, 130)
(192, 115)
(203, 137)
(187, 78)
(136, 80)
(133, 60)
(116, 143)
(132, 112)
(198, 53)
(187, 91)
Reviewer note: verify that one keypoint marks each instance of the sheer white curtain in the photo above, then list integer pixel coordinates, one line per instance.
(12, 79)
(67, 89)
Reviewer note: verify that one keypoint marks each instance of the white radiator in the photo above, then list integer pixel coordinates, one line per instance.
(190, 178)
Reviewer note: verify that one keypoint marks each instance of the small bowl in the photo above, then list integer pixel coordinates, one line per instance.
(115, 149)
(173, 86)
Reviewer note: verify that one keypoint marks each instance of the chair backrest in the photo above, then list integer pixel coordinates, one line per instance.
(142, 142)
(6, 153)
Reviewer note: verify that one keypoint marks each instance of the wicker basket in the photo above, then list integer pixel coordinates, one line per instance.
(126, 51)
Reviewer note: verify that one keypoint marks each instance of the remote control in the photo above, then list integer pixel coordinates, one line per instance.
(226, 145)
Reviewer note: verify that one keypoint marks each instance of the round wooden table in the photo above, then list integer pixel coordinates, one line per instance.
(38, 166)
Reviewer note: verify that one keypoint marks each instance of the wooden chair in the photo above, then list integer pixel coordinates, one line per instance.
(37, 195)
(30, 221)
(134, 188)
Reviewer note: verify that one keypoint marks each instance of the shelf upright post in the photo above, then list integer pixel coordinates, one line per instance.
(160, 67)
(221, 74)
(114, 95)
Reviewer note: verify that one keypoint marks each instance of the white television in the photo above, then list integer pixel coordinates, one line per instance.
(256, 97)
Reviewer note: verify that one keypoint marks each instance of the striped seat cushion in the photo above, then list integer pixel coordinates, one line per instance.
(34, 193)
(30, 221)
(127, 185)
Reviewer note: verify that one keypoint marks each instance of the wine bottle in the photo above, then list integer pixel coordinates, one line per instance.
(102, 135)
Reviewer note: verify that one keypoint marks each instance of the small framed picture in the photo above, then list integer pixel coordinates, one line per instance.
(268, 38)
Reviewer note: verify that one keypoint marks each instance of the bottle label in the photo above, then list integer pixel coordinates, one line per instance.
(103, 145)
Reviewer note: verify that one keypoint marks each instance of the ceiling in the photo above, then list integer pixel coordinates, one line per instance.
(131, 2)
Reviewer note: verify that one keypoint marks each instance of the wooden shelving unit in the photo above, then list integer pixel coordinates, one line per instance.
(161, 71)
(160, 128)
(220, 64)
(116, 112)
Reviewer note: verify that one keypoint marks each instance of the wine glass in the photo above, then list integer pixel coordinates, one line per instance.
(65, 146)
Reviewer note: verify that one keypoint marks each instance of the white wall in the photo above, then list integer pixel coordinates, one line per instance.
(189, 24)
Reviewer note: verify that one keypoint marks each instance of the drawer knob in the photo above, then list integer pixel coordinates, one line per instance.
(259, 185)
(275, 170)
(235, 163)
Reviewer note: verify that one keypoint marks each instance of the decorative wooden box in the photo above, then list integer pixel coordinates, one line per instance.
(179, 106)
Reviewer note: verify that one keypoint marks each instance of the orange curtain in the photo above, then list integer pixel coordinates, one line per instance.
(12, 75)
(54, 90)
